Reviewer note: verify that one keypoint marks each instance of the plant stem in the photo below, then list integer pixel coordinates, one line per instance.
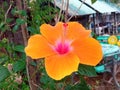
(60, 11)
(66, 11)
(7, 12)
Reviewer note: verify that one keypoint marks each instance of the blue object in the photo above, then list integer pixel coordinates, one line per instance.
(103, 39)
(100, 69)
(108, 50)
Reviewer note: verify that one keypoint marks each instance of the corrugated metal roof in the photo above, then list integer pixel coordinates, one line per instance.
(73, 6)
(102, 6)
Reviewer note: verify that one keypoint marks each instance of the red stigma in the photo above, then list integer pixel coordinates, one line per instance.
(65, 25)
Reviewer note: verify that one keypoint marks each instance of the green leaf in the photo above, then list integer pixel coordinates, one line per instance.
(19, 48)
(3, 85)
(33, 63)
(68, 87)
(14, 11)
(18, 12)
(24, 86)
(82, 85)
(15, 28)
(4, 73)
(3, 59)
(46, 82)
(2, 25)
(8, 20)
(23, 56)
(4, 40)
(87, 70)
(23, 12)
(93, 1)
(20, 21)
(19, 66)
(33, 30)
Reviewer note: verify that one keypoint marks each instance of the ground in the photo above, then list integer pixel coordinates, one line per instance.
(98, 83)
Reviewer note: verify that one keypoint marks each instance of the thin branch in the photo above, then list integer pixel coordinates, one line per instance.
(23, 27)
(27, 59)
(60, 11)
(27, 71)
(66, 12)
(37, 85)
(54, 4)
(76, 11)
(6, 17)
(7, 12)
(11, 25)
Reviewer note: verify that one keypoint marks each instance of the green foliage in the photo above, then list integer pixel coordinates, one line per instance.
(19, 48)
(66, 84)
(4, 73)
(12, 53)
(32, 30)
(15, 28)
(3, 8)
(42, 11)
(82, 85)
(46, 81)
(3, 59)
(16, 12)
(87, 70)
(19, 65)
(20, 21)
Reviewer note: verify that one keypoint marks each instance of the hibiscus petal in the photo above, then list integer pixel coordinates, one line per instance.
(38, 47)
(88, 50)
(73, 30)
(59, 66)
(51, 33)
(76, 30)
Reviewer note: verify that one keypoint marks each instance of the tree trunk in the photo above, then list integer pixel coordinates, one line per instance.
(29, 68)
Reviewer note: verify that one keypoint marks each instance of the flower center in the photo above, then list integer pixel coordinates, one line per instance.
(62, 48)
(63, 45)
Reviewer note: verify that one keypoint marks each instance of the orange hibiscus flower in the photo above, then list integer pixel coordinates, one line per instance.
(64, 47)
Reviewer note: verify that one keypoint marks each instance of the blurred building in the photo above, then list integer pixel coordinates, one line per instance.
(101, 16)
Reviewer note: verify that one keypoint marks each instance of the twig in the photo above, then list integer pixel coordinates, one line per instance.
(7, 12)
(12, 25)
(23, 27)
(76, 11)
(54, 4)
(60, 11)
(37, 85)
(6, 16)
(66, 11)
(28, 75)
